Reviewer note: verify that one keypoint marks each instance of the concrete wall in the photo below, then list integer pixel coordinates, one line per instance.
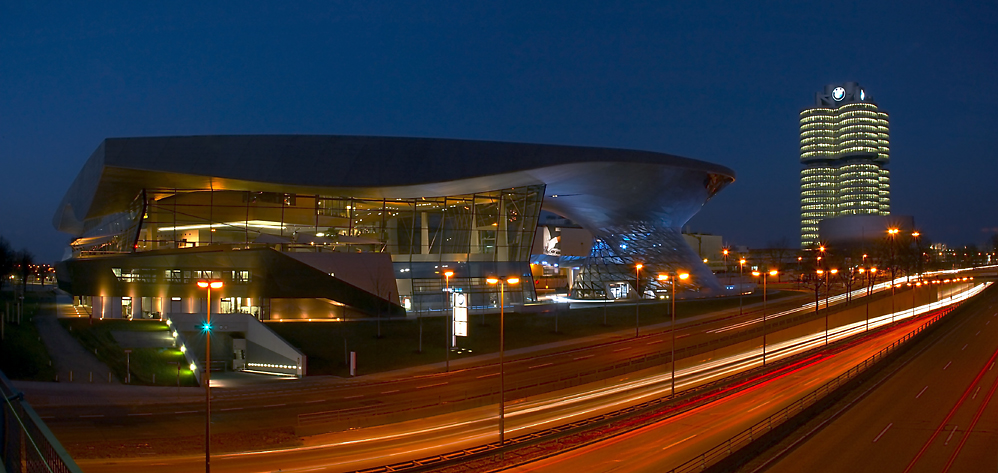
(265, 350)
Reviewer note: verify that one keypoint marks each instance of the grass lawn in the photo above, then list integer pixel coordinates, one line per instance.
(326, 344)
(145, 364)
(22, 353)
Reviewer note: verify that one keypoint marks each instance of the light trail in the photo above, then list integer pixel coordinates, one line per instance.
(632, 392)
(478, 425)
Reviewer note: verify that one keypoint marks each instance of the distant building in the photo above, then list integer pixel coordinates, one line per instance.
(844, 150)
(862, 231)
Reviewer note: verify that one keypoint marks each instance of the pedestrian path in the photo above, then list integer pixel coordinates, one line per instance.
(72, 362)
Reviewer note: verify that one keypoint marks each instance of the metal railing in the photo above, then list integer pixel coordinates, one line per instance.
(26, 444)
(724, 449)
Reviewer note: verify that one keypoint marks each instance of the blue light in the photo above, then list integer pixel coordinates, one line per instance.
(206, 327)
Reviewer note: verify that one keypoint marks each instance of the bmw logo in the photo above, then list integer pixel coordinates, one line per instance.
(838, 93)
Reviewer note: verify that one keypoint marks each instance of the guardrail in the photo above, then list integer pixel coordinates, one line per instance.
(724, 449)
(26, 444)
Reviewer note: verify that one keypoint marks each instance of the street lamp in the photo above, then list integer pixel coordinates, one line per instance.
(637, 302)
(741, 266)
(447, 321)
(869, 290)
(765, 276)
(828, 286)
(502, 347)
(209, 285)
(891, 233)
(672, 327)
(726, 273)
(918, 246)
(817, 290)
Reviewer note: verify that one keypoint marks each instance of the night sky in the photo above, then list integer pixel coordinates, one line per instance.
(718, 82)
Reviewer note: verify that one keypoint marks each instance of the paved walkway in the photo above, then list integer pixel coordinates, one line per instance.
(72, 362)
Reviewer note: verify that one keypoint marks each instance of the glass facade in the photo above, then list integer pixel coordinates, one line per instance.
(474, 235)
(844, 147)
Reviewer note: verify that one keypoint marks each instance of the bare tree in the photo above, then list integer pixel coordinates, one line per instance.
(25, 267)
(7, 259)
(777, 253)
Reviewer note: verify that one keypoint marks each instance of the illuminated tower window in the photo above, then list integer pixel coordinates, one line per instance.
(844, 150)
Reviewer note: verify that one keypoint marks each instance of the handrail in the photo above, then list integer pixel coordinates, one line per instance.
(26, 443)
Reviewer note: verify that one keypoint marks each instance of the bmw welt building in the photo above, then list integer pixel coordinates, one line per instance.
(336, 227)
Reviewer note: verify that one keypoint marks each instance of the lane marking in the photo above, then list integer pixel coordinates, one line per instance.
(622, 349)
(354, 397)
(184, 412)
(679, 442)
(950, 436)
(431, 385)
(947, 365)
(317, 400)
(964, 347)
(275, 405)
(760, 405)
(536, 366)
(975, 393)
(920, 392)
(232, 409)
(978, 333)
(141, 414)
(389, 392)
(883, 431)
(488, 375)
(93, 415)
(992, 366)
(584, 357)
(655, 343)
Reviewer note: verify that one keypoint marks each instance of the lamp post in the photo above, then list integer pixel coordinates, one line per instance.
(726, 273)
(828, 285)
(918, 246)
(817, 290)
(741, 266)
(672, 326)
(209, 285)
(765, 276)
(502, 347)
(637, 302)
(869, 290)
(447, 320)
(891, 233)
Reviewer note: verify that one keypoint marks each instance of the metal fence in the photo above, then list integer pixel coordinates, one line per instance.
(26, 444)
(724, 449)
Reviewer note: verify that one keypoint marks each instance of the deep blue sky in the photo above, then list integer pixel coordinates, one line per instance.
(715, 81)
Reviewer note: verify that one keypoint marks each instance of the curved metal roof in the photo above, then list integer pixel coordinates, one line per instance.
(602, 181)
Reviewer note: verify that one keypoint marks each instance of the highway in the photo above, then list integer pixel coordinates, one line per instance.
(935, 414)
(278, 408)
(668, 444)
